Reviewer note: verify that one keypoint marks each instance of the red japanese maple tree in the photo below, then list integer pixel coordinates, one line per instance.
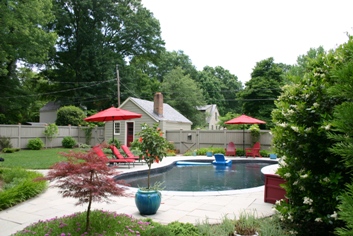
(86, 177)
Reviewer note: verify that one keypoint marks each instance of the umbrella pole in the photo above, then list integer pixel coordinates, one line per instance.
(113, 132)
(243, 140)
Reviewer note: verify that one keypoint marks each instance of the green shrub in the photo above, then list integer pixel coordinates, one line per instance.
(315, 177)
(179, 228)
(35, 144)
(226, 227)
(247, 224)
(10, 150)
(115, 142)
(240, 152)
(160, 230)
(188, 153)
(19, 186)
(51, 131)
(171, 146)
(255, 133)
(218, 150)
(202, 151)
(5, 142)
(70, 115)
(264, 153)
(68, 142)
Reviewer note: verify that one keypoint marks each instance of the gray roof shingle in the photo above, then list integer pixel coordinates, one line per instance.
(169, 113)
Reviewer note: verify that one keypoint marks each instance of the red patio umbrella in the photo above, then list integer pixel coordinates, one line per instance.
(112, 114)
(244, 120)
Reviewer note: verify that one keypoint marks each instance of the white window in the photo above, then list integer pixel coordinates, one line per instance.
(117, 128)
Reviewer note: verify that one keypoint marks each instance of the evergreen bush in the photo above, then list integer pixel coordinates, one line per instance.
(35, 144)
(68, 142)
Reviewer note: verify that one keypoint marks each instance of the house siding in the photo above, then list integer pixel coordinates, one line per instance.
(130, 106)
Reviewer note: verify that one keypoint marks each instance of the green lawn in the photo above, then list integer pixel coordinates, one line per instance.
(34, 159)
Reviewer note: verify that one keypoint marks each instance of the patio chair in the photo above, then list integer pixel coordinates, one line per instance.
(254, 151)
(129, 154)
(220, 160)
(231, 150)
(102, 155)
(119, 156)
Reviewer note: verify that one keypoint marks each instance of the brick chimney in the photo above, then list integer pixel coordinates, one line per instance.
(158, 104)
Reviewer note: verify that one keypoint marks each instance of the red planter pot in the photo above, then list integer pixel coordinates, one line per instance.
(273, 190)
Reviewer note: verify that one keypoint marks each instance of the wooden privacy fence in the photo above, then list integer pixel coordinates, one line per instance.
(184, 140)
(188, 140)
(20, 135)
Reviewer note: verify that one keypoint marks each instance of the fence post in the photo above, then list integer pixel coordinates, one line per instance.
(225, 137)
(19, 135)
(198, 138)
(180, 134)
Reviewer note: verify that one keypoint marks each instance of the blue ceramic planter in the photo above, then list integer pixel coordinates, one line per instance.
(209, 154)
(148, 202)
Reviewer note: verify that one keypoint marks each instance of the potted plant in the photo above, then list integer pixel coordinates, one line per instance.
(153, 148)
(209, 152)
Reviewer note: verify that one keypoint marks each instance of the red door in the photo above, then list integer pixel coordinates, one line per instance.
(130, 133)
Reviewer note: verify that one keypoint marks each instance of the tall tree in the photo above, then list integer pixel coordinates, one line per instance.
(94, 37)
(262, 89)
(183, 93)
(220, 87)
(24, 38)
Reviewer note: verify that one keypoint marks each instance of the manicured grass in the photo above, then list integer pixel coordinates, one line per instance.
(34, 159)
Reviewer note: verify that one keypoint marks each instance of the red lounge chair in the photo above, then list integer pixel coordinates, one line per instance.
(231, 150)
(101, 154)
(119, 156)
(128, 153)
(254, 151)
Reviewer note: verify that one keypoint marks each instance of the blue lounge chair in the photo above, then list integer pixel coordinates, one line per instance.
(220, 160)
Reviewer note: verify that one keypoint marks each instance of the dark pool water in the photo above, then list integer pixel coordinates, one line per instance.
(206, 177)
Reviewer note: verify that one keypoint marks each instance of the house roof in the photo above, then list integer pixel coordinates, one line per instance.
(169, 113)
(50, 106)
(208, 108)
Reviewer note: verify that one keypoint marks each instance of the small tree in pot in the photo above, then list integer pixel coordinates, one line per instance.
(153, 148)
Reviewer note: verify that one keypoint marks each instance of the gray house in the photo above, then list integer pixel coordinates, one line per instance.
(154, 112)
(212, 116)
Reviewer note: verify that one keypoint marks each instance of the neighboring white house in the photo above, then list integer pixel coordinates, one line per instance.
(48, 113)
(152, 112)
(212, 116)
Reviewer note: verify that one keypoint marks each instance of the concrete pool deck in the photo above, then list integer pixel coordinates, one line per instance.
(191, 207)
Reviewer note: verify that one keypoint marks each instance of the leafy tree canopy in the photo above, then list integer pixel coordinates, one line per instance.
(26, 40)
(262, 90)
(94, 37)
(220, 87)
(183, 93)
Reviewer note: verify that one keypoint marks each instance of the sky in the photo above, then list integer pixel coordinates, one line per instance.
(237, 34)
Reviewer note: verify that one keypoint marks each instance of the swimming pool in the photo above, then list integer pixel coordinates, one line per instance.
(240, 175)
